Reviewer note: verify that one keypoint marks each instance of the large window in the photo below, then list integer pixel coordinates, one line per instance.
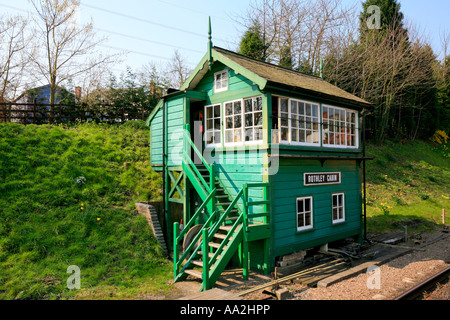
(338, 208)
(309, 124)
(221, 81)
(213, 132)
(339, 127)
(304, 213)
(299, 122)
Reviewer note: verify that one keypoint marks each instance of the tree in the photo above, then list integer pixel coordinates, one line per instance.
(392, 67)
(178, 70)
(13, 56)
(253, 43)
(298, 32)
(68, 49)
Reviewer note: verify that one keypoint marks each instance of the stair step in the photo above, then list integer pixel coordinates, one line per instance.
(195, 273)
(197, 263)
(231, 211)
(210, 254)
(223, 203)
(221, 236)
(222, 196)
(216, 245)
(226, 228)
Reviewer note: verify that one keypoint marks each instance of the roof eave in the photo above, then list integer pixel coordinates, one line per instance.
(318, 94)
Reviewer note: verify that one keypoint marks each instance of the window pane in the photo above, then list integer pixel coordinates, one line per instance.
(237, 135)
(258, 104)
(258, 134)
(307, 218)
(217, 111)
(209, 124)
(300, 207)
(228, 109)
(308, 109)
(217, 124)
(294, 135)
(300, 222)
(209, 137)
(249, 120)
(307, 204)
(237, 121)
(283, 105)
(284, 134)
(335, 214)
(229, 122)
(301, 108)
(229, 136)
(258, 119)
(248, 105)
(237, 107)
(249, 134)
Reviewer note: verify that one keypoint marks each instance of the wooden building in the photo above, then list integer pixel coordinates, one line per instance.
(266, 160)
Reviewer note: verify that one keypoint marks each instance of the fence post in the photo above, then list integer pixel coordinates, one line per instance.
(9, 112)
(34, 110)
(245, 229)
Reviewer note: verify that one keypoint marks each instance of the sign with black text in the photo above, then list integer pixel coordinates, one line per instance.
(320, 178)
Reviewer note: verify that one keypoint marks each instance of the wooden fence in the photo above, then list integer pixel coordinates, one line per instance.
(40, 113)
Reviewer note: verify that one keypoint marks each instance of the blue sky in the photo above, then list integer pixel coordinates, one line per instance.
(152, 29)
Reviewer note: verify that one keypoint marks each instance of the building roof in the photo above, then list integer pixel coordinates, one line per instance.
(275, 76)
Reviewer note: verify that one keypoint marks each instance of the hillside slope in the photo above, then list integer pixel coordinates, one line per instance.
(63, 195)
(408, 183)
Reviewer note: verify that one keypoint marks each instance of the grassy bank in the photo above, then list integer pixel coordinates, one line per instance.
(64, 195)
(408, 183)
(66, 199)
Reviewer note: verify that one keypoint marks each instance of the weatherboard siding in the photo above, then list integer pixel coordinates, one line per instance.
(287, 186)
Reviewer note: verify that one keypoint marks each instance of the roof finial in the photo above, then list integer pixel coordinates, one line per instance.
(321, 67)
(210, 45)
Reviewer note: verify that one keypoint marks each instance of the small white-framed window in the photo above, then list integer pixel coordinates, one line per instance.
(340, 127)
(304, 213)
(221, 81)
(213, 125)
(338, 206)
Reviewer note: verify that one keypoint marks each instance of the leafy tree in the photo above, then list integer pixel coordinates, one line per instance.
(253, 44)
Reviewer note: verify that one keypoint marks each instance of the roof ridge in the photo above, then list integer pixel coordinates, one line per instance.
(269, 64)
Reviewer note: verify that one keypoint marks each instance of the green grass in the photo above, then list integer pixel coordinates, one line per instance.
(406, 181)
(66, 199)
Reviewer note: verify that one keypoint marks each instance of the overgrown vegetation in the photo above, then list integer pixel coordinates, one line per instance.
(407, 181)
(66, 199)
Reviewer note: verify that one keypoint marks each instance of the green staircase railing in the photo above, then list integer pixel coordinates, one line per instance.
(237, 227)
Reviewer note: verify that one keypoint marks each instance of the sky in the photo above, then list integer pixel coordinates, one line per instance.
(151, 30)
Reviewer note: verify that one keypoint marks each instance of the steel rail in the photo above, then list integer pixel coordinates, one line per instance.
(417, 290)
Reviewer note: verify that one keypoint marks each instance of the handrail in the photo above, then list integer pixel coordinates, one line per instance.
(193, 146)
(177, 237)
(188, 143)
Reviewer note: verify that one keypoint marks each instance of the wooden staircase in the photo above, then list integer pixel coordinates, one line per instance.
(225, 229)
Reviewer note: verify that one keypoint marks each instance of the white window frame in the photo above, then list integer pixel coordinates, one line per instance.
(339, 206)
(224, 79)
(225, 117)
(311, 211)
(291, 118)
(213, 120)
(346, 111)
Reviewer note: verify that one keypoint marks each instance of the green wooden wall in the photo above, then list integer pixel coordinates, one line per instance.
(287, 186)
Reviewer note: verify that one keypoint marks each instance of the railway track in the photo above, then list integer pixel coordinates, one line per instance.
(430, 283)
(308, 276)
